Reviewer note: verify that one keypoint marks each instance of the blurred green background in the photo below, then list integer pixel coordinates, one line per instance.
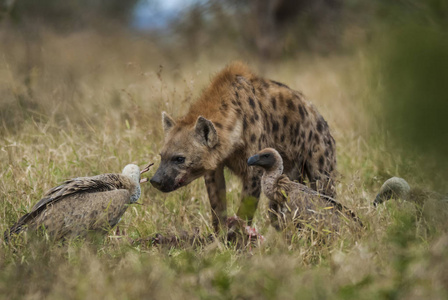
(404, 45)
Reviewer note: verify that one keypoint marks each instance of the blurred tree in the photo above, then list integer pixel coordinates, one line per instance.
(72, 14)
(276, 19)
(271, 28)
(410, 45)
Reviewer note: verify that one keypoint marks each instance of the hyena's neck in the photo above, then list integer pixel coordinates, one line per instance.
(220, 104)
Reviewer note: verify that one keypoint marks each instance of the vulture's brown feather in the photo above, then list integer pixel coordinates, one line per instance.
(83, 204)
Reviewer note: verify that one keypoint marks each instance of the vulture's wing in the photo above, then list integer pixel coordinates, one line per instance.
(94, 184)
(303, 189)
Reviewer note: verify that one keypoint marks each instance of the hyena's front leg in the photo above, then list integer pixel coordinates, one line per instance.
(216, 189)
(250, 195)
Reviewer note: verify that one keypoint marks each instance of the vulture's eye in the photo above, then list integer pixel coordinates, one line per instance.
(179, 159)
(266, 155)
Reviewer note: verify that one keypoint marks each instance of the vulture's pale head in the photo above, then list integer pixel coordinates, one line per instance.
(268, 158)
(133, 172)
(395, 187)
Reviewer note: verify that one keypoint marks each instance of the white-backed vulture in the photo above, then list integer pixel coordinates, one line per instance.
(83, 204)
(294, 203)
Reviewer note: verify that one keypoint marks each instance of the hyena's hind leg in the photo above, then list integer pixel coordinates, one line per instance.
(321, 180)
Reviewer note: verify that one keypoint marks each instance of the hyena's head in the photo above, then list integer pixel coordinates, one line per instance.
(188, 152)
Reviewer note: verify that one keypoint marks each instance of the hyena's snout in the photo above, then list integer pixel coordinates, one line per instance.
(155, 181)
(162, 182)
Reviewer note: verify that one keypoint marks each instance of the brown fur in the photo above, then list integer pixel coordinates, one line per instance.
(237, 115)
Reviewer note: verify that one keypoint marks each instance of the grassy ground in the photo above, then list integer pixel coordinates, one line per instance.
(81, 105)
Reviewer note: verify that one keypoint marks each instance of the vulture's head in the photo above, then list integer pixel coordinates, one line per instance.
(268, 158)
(395, 187)
(133, 172)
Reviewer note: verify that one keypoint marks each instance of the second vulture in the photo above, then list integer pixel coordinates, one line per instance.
(294, 203)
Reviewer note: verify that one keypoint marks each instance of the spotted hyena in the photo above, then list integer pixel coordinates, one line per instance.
(238, 115)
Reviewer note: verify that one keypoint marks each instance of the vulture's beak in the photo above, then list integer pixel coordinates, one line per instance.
(253, 160)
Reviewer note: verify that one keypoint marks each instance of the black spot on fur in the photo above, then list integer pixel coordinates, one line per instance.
(296, 130)
(321, 162)
(279, 84)
(316, 138)
(275, 126)
(290, 105)
(274, 103)
(282, 138)
(285, 120)
(319, 126)
(230, 127)
(237, 96)
(252, 138)
(238, 111)
(310, 136)
(244, 123)
(252, 120)
(301, 111)
(256, 116)
(251, 102)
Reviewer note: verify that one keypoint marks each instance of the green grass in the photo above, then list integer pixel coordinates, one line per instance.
(82, 105)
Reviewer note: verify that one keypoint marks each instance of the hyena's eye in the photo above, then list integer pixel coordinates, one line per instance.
(178, 159)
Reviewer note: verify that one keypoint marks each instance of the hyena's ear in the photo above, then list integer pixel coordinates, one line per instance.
(167, 122)
(206, 132)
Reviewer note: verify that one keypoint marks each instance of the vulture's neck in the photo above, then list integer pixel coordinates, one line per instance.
(269, 180)
(135, 192)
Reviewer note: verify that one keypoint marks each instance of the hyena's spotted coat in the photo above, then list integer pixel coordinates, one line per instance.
(238, 115)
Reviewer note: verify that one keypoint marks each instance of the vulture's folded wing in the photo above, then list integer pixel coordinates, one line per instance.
(94, 184)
